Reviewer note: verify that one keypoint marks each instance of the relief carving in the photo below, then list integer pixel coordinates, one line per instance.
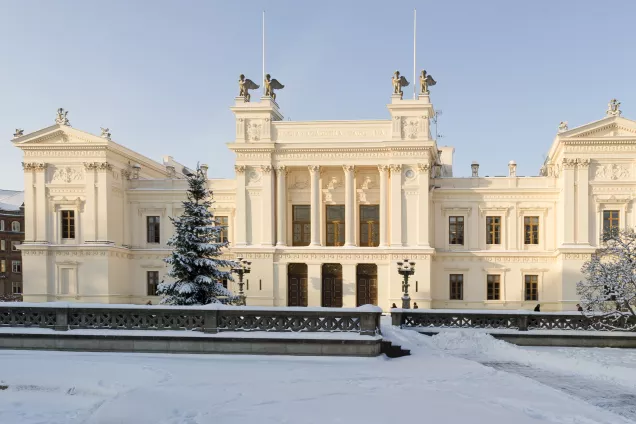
(68, 174)
(611, 172)
(253, 130)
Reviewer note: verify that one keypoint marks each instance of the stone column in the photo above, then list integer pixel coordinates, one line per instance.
(349, 286)
(104, 170)
(568, 201)
(314, 284)
(583, 207)
(314, 172)
(89, 218)
(267, 214)
(384, 200)
(350, 201)
(396, 205)
(422, 205)
(241, 205)
(41, 207)
(281, 206)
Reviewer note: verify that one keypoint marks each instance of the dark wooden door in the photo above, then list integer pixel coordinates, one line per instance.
(297, 285)
(367, 284)
(332, 286)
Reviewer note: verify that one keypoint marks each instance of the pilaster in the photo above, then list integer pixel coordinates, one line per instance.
(241, 206)
(314, 285)
(423, 205)
(349, 292)
(569, 218)
(267, 227)
(90, 208)
(281, 206)
(396, 205)
(583, 202)
(314, 173)
(350, 238)
(104, 176)
(384, 202)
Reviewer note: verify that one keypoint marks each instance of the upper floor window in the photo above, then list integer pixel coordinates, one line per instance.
(493, 230)
(222, 221)
(16, 267)
(3, 265)
(369, 225)
(152, 279)
(456, 286)
(2, 225)
(531, 287)
(153, 229)
(68, 224)
(15, 226)
(301, 218)
(610, 222)
(455, 230)
(335, 225)
(531, 230)
(3, 245)
(14, 246)
(493, 287)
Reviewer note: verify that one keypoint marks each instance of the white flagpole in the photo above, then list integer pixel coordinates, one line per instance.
(263, 80)
(414, 52)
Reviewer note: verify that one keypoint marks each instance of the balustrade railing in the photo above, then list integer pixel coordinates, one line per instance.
(210, 319)
(509, 320)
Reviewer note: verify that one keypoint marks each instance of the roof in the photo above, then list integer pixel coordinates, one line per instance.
(11, 200)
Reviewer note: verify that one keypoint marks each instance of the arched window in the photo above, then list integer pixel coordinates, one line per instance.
(15, 226)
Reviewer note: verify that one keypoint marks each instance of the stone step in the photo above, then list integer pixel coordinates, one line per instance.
(393, 351)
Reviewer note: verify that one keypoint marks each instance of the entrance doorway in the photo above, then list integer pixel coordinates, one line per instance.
(297, 285)
(332, 285)
(366, 284)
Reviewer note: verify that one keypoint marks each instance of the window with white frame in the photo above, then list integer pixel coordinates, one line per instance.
(16, 267)
(493, 287)
(15, 226)
(68, 224)
(456, 230)
(16, 287)
(493, 230)
(531, 230)
(531, 287)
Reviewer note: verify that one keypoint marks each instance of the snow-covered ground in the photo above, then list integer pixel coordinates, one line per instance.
(444, 381)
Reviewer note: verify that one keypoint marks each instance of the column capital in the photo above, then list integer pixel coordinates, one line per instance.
(383, 168)
(569, 163)
(395, 168)
(583, 163)
(282, 169)
(313, 168)
(266, 169)
(423, 167)
(240, 169)
(34, 166)
(348, 168)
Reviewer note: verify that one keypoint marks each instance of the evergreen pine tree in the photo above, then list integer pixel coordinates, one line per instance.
(196, 269)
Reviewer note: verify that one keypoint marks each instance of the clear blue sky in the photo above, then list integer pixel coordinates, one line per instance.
(162, 74)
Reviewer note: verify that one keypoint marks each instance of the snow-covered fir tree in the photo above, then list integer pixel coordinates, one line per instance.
(609, 287)
(196, 268)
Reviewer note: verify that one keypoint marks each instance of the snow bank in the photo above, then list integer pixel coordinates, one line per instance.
(485, 348)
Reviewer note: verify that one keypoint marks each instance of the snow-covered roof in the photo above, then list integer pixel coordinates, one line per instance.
(11, 200)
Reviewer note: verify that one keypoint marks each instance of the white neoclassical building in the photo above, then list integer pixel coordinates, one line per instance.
(325, 210)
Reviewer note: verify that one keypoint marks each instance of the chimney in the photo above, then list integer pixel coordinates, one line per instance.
(512, 168)
(475, 168)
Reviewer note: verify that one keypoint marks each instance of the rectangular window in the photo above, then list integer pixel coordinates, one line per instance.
(14, 246)
(456, 286)
(455, 230)
(222, 221)
(335, 225)
(2, 225)
(153, 229)
(532, 287)
(68, 224)
(493, 286)
(16, 287)
(493, 230)
(15, 226)
(3, 245)
(16, 267)
(3, 265)
(369, 225)
(301, 222)
(610, 222)
(531, 229)
(152, 278)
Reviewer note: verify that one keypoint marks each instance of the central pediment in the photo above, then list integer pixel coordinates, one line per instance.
(608, 127)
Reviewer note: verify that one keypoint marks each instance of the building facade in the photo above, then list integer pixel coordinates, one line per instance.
(324, 211)
(11, 236)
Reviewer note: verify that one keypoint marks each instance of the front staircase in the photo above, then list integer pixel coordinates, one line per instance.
(393, 351)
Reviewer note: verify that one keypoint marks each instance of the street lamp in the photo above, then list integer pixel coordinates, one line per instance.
(242, 267)
(406, 269)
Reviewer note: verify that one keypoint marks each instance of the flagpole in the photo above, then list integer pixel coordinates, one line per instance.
(263, 80)
(414, 54)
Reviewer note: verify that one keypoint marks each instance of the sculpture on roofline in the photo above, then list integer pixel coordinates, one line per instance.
(244, 86)
(105, 133)
(19, 132)
(398, 83)
(613, 108)
(271, 85)
(61, 118)
(425, 82)
(563, 126)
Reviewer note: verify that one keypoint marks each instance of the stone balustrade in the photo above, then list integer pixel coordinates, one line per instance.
(364, 320)
(509, 320)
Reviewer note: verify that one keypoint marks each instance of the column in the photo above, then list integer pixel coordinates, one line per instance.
(422, 206)
(103, 188)
(281, 206)
(241, 213)
(41, 203)
(89, 218)
(583, 207)
(30, 203)
(314, 284)
(314, 172)
(349, 286)
(396, 205)
(384, 200)
(350, 201)
(568, 201)
(267, 214)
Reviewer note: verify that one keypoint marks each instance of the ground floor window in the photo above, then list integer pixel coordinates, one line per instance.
(152, 279)
(456, 286)
(531, 287)
(16, 287)
(493, 283)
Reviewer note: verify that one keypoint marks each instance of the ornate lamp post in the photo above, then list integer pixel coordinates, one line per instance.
(242, 267)
(406, 269)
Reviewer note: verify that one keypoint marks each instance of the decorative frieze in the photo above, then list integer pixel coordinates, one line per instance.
(612, 172)
(68, 174)
(98, 166)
